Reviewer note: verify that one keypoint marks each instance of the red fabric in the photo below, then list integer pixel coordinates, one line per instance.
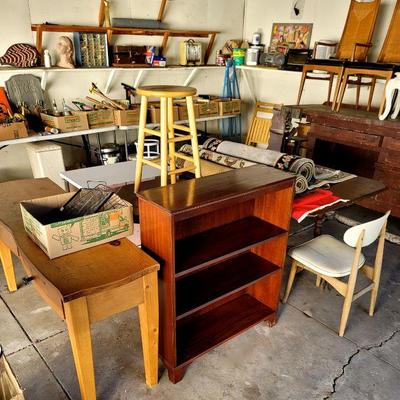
(306, 204)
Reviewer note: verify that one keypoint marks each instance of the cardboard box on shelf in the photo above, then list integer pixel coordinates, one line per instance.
(69, 123)
(154, 113)
(208, 108)
(228, 106)
(183, 113)
(127, 117)
(98, 118)
(14, 130)
(65, 237)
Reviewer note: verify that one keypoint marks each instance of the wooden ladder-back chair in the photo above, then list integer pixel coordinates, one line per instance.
(354, 45)
(331, 259)
(259, 131)
(387, 63)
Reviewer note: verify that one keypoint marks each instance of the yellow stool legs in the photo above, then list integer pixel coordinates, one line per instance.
(168, 139)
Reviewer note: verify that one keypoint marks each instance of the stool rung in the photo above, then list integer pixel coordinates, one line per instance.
(180, 138)
(181, 170)
(184, 157)
(182, 128)
(152, 132)
(151, 163)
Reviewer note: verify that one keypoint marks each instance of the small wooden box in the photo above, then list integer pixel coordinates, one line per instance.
(69, 123)
(127, 117)
(98, 118)
(15, 130)
(10, 389)
(154, 113)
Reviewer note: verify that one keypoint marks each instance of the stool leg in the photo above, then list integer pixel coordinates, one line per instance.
(171, 135)
(193, 132)
(164, 141)
(140, 149)
(77, 318)
(6, 260)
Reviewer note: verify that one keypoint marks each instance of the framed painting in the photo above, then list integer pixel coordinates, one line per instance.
(290, 35)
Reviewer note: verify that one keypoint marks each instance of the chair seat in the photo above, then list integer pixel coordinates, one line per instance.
(326, 255)
(327, 62)
(370, 65)
(166, 91)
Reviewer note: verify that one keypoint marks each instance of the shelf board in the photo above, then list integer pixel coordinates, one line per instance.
(198, 251)
(203, 332)
(198, 290)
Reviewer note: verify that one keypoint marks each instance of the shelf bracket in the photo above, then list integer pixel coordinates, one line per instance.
(162, 10)
(109, 81)
(164, 43)
(138, 79)
(249, 87)
(209, 48)
(43, 80)
(190, 77)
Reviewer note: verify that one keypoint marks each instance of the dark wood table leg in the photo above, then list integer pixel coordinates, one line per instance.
(319, 220)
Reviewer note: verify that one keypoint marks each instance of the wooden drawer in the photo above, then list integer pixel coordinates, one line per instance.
(392, 158)
(348, 137)
(388, 174)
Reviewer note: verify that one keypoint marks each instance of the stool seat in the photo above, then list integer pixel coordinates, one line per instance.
(166, 91)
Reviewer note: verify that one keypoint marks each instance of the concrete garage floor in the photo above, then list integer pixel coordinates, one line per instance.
(300, 358)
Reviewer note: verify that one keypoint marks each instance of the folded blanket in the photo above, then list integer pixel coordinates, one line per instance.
(298, 165)
(308, 203)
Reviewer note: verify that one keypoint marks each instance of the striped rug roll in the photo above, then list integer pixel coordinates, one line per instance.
(21, 55)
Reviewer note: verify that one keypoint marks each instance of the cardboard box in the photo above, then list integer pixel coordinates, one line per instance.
(127, 117)
(10, 389)
(183, 113)
(15, 130)
(65, 237)
(228, 106)
(98, 118)
(154, 113)
(69, 123)
(208, 108)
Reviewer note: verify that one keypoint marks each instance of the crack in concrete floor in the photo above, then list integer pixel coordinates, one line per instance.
(350, 359)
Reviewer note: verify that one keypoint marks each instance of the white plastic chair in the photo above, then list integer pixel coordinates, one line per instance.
(330, 258)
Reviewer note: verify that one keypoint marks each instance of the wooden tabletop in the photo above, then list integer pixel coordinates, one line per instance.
(206, 190)
(77, 274)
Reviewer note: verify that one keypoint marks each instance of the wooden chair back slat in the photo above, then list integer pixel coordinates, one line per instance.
(390, 52)
(359, 27)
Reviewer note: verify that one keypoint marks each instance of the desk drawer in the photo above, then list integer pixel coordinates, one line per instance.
(391, 143)
(349, 137)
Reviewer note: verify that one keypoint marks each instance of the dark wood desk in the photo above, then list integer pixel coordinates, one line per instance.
(82, 287)
(354, 190)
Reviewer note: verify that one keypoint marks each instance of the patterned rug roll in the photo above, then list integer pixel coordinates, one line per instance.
(285, 162)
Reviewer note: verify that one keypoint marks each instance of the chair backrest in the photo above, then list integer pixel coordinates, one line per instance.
(261, 123)
(359, 27)
(390, 52)
(371, 230)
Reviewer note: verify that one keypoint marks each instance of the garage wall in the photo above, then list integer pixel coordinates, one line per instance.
(17, 15)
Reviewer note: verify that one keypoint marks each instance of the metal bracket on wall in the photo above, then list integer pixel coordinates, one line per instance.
(190, 77)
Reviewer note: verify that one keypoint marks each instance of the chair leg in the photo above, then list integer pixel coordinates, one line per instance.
(358, 91)
(331, 76)
(164, 141)
(371, 93)
(339, 81)
(383, 101)
(342, 90)
(289, 285)
(302, 81)
(193, 133)
(140, 149)
(171, 145)
(345, 311)
(318, 281)
(8, 267)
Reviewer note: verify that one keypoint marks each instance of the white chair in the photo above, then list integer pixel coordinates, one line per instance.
(330, 258)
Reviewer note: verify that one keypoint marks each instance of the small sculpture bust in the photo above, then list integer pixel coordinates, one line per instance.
(65, 50)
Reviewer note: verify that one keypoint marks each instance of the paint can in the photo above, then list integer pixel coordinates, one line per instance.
(239, 55)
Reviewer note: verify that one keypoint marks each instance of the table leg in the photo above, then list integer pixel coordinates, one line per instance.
(8, 267)
(319, 220)
(148, 315)
(77, 319)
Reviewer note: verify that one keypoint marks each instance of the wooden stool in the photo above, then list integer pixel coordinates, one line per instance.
(82, 287)
(167, 134)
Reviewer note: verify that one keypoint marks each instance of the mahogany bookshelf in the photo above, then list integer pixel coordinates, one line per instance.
(221, 241)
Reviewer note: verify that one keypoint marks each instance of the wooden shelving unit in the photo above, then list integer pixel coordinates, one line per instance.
(165, 33)
(221, 241)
